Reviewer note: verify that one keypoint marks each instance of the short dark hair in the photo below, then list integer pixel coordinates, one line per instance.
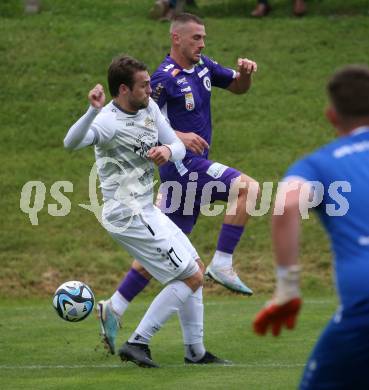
(184, 18)
(121, 71)
(348, 90)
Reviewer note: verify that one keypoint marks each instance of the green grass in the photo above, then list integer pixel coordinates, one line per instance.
(49, 62)
(41, 351)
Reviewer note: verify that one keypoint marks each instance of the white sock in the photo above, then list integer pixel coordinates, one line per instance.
(195, 352)
(222, 259)
(119, 303)
(166, 303)
(191, 316)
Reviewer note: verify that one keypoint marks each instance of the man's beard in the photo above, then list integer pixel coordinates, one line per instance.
(139, 105)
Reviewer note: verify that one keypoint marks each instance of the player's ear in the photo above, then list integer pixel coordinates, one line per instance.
(175, 38)
(332, 116)
(123, 89)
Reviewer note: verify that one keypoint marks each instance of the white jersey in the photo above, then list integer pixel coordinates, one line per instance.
(122, 141)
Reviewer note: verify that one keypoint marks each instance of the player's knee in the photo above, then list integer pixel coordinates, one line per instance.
(141, 270)
(248, 187)
(145, 274)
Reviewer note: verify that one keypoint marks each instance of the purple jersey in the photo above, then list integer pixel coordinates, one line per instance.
(184, 95)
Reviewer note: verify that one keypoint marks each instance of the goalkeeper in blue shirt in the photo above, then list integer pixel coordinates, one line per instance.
(334, 180)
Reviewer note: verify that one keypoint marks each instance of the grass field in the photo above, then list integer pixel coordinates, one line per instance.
(50, 61)
(41, 351)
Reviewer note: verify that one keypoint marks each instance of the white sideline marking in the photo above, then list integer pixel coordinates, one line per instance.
(250, 301)
(305, 301)
(109, 366)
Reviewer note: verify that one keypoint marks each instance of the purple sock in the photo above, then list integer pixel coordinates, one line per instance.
(132, 284)
(229, 237)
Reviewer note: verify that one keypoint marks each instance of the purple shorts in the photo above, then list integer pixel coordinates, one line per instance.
(188, 185)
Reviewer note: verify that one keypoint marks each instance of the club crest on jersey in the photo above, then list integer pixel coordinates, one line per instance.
(149, 122)
(207, 83)
(190, 101)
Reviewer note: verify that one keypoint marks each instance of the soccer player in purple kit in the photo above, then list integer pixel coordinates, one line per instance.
(182, 87)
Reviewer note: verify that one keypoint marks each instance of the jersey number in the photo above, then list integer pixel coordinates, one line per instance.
(174, 257)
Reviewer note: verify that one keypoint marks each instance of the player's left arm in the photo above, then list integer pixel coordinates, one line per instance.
(242, 81)
(283, 308)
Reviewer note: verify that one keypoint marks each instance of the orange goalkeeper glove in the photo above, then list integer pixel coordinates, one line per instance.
(283, 309)
(275, 316)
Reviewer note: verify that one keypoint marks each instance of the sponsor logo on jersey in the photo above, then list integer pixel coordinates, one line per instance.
(207, 83)
(181, 81)
(203, 72)
(186, 89)
(130, 124)
(174, 72)
(347, 150)
(168, 67)
(216, 170)
(144, 142)
(190, 102)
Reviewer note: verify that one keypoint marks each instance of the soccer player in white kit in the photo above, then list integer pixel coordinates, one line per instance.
(126, 133)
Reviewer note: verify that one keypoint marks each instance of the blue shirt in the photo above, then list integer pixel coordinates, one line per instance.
(342, 167)
(184, 95)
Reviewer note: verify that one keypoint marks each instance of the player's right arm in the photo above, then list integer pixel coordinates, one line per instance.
(299, 191)
(283, 308)
(80, 134)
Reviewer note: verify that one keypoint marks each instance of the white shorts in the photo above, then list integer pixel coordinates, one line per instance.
(158, 244)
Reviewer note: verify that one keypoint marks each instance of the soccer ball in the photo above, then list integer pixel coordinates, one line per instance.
(73, 301)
